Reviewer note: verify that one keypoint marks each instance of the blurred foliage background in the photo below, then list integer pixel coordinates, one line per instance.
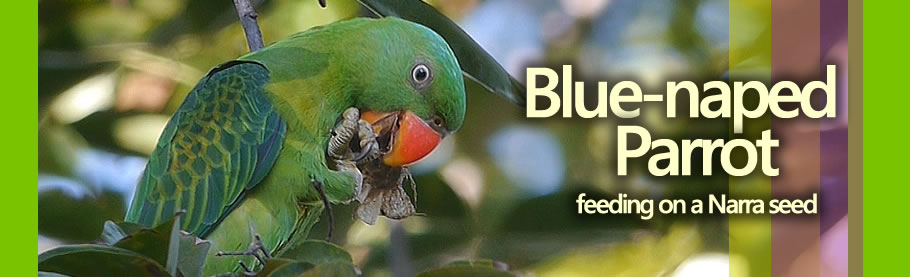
(112, 71)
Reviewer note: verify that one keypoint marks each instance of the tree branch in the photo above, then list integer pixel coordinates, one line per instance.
(248, 18)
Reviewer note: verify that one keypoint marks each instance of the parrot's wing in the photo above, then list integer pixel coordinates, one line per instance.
(221, 142)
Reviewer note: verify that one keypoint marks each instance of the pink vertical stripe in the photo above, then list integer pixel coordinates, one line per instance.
(795, 57)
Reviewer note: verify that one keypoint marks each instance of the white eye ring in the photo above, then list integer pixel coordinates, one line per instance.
(420, 74)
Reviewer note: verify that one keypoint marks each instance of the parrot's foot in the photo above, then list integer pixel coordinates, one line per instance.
(353, 143)
(343, 147)
(256, 250)
(328, 207)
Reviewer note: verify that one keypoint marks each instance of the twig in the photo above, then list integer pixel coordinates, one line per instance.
(328, 207)
(250, 26)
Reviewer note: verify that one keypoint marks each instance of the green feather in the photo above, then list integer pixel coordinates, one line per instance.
(204, 142)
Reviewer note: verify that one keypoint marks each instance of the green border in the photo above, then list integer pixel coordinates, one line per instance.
(885, 151)
(882, 245)
(20, 137)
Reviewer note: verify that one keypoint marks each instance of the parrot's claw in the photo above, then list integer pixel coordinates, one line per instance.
(368, 144)
(343, 153)
(366, 153)
(349, 128)
(342, 135)
(246, 270)
(328, 207)
(256, 250)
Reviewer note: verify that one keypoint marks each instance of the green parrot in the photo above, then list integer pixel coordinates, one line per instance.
(242, 153)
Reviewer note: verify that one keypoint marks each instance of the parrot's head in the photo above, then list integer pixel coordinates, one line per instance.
(408, 85)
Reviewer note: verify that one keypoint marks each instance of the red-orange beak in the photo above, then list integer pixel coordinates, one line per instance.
(403, 136)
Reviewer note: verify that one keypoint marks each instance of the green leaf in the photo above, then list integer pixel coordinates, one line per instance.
(478, 268)
(276, 267)
(98, 260)
(153, 243)
(50, 274)
(114, 232)
(188, 256)
(77, 220)
(337, 268)
(479, 263)
(192, 254)
(111, 233)
(173, 252)
(477, 64)
(313, 258)
(161, 244)
(317, 252)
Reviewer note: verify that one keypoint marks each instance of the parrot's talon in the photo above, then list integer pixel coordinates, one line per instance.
(246, 270)
(365, 153)
(343, 133)
(328, 207)
(256, 250)
(349, 127)
(368, 144)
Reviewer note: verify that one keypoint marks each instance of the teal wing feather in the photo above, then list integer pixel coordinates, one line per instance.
(221, 142)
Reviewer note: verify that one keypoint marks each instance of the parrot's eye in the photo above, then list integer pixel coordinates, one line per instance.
(438, 123)
(420, 75)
